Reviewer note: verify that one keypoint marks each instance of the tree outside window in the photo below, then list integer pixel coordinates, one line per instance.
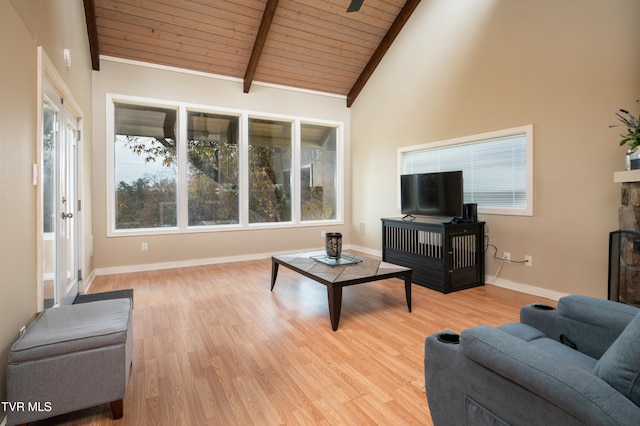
(318, 172)
(270, 159)
(151, 191)
(213, 174)
(145, 167)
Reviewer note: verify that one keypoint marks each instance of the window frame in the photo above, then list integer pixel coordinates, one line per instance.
(526, 130)
(295, 161)
(182, 109)
(182, 149)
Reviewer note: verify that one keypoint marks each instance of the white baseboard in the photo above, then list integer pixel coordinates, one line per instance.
(193, 262)
(86, 284)
(524, 288)
(365, 250)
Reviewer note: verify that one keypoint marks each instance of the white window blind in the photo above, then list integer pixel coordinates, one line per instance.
(496, 170)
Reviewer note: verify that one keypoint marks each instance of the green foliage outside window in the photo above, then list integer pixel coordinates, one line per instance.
(146, 169)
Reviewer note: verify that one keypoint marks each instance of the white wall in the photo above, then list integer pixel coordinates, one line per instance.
(25, 24)
(17, 259)
(464, 67)
(124, 253)
(57, 25)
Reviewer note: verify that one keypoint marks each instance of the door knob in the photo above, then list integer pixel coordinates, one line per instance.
(67, 215)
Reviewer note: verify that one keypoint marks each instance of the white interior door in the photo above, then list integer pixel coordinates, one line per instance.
(67, 247)
(59, 240)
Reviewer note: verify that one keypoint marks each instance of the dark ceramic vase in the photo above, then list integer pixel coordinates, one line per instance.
(333, 244)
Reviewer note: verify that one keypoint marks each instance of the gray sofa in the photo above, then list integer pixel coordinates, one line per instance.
(575, 364)
(70, 358)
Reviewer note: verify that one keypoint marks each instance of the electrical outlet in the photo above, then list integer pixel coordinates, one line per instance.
(363, 228)
(145, 247)
(323, 234)
(528, 260)
(506, 256)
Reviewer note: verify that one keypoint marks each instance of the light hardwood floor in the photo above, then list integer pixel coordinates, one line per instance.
(213, 346)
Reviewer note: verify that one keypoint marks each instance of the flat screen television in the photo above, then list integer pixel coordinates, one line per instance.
(432, 194)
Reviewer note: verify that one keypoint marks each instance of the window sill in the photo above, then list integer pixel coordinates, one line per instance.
(221, 228)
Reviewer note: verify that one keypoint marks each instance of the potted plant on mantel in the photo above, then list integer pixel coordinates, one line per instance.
(631, 138)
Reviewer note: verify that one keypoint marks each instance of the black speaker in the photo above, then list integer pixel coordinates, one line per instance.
(470, 212)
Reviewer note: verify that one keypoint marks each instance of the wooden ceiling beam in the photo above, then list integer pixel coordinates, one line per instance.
(92, 33)
(382, 49)
(258, 45)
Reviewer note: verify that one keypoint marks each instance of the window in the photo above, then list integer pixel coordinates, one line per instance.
(497, 168)
(145, 167)
(49, 120)
(270, 157)
(318, 154)
(177, 168)
(212, 169)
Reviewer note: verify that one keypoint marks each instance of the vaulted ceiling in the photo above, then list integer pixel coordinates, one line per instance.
(308, 44)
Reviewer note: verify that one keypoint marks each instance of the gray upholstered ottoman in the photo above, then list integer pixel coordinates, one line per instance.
(70, 358)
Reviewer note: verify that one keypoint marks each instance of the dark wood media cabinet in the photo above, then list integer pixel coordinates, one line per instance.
(443, 256)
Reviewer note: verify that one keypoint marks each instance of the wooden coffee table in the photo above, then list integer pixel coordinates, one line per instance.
(339, 276)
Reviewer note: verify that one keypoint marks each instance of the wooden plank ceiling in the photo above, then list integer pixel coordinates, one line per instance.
(309, 44)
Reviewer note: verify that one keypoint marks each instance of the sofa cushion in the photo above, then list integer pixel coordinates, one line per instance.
(522, 331)
(537, 339)
(598, 312)
(620, 364)
(73, 328)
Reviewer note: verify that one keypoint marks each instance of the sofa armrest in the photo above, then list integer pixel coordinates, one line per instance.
(587, 324)
(571, 388)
